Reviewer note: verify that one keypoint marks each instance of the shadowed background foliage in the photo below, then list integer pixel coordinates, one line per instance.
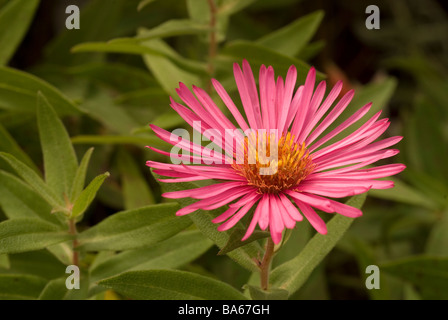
(107, 92)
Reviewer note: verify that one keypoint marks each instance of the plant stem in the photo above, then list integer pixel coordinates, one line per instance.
(73, 231)
(266, 264)
(213, 45)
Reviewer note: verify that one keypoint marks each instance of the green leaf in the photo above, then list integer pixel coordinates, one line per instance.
(404, 193)
(18, 200)
(9, 145)
(136, 192)
(229, 7)
(169, 254)
(292, 274)
(245, 256)
(257, 293)
(171, 285)
(87, 195)
(39, 263)
(165, 71)
(20, 235)
(235, 242)
(80, 176)
(172, 28)
(34, 181)
(437, 243)
(118, 76)
(134, 228)
(291, 39)
(102, 108)
(257, 55)
(60, 161)
(15, 18)
(18, 93)
(428, 273)
(138, 140)
(143, 4)
(20, 286)
(55, 289)
(4, 261)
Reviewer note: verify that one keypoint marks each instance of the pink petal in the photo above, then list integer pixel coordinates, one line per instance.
(312, 217)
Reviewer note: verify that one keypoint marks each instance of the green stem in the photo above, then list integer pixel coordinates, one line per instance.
(73, 231)
(266, 264)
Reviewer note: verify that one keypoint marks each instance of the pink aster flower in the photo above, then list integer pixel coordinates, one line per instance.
(305, 170)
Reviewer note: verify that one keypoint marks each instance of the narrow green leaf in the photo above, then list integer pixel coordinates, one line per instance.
(437, 243)
(428, 273)
(130, 47)
(103, 108)
(229, 7)
(55, 289)
(404, 193)
(165, 71)
(80, 176)
(257, 293)
(172, 28)
(171, 285)
(87, 195)
(169, 254)
(138, 140)
(63, 252)
(60, 161)
(291, 39)
(39, 263)
(18, 93)
(20, 235)
(136, 192)
(235, 242)
(34, 181)
(9, 145)
(4, 261)
(144, 3)
(15, 19)
(292, 274)
(18, 200)
(245, 256)
(134, 228)
(20, 286)
(119, 76)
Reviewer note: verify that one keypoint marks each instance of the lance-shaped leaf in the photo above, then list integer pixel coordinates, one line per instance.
(20, 286)
(291, 39)
(18, 93)
(34, 181)
(20, 235)
(257, 293)
(87, 195)
(59, 156)
(15, 18)
(18, 200)
(134, 228)
(80, 176)
(171, 285)
(292, 275)
(9, 145)
(169, 254)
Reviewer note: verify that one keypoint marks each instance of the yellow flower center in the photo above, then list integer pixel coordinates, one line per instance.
(273, 166)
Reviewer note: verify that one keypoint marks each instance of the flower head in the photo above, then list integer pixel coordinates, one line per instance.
(279, 158)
